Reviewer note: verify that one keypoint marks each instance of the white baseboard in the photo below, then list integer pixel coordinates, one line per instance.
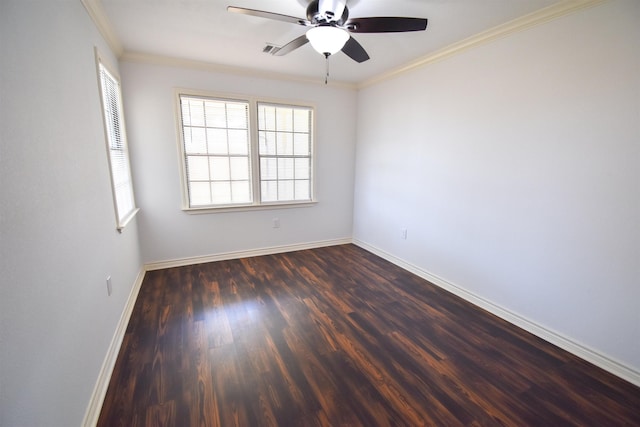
(605, 362)
(245, 254)
(100, 389)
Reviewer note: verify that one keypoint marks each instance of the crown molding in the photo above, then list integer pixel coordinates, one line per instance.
(99, 17)
(96, 12)
(565, 7)
(147, 58)
(533, 19)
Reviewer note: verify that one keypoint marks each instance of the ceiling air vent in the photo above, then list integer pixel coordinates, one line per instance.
(272, 49)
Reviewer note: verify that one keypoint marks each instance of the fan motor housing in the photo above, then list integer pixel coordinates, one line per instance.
(315, 16)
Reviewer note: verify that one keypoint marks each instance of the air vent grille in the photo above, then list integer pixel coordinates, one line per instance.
(270, 48)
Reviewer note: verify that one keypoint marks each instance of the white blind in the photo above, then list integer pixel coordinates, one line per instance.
(216, 141)
(117, 147)
(284, 134)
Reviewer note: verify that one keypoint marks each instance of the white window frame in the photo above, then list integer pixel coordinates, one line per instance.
(123, 216)
(254, 155)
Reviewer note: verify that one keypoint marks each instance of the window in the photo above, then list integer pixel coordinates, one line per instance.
(243, 153)
(116, 140)
(216, 151)
(285, 152)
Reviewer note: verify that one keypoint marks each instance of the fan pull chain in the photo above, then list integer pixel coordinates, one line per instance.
(326, 76)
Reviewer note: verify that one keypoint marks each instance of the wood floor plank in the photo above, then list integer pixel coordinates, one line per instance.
(337, 336)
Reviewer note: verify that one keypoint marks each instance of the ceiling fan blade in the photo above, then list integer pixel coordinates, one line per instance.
(385, 25)
(269, 15)
(355, 51)
(292, 45)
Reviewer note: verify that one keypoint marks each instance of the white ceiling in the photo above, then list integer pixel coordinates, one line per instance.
(202, 30)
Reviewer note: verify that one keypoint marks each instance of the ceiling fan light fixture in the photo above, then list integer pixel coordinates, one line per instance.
(326, 39)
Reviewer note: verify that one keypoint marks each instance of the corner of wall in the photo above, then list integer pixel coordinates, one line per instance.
(102, 384)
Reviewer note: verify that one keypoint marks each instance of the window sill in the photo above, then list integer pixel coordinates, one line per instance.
(245, 208)
(127, 220)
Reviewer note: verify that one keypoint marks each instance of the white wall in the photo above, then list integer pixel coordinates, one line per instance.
(515, 168)
(58, 239)
(168, 233)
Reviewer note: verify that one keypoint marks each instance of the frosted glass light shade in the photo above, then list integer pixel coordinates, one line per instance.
(327, 39)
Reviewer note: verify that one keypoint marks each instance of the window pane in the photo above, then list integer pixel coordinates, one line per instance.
(221, 192)
(124, 193)
(238, 141)
(269, 191)
(118, 167)
(216, 114)
(302, 168)
(186, 113)
(198, 168)
(267, 117)
(186, 137)
(195, 141)
(199, 193)
(284, 119)
(301, 144)
(285, 190)
(303, 190)
(196, 112)
(267, 143)
(237, 116)
(268, 168)
(284, 145)
(219, 168)
(239, 168)
(217, 141)
(301, 120)
(285, 168)
(240, 192)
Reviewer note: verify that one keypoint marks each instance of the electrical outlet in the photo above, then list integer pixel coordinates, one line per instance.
(276, 222)
(109, 288)
(403, 233)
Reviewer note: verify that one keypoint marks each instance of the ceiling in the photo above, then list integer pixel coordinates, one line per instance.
(203, 30)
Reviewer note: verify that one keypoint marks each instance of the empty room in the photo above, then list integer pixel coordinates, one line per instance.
(319, 213)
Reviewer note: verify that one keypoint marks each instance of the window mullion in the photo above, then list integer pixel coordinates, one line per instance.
(254, 152)
(206, 144)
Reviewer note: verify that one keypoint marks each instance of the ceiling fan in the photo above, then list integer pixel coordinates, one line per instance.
(330, 27)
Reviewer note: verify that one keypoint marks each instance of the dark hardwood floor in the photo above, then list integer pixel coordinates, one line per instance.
(340, 337)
